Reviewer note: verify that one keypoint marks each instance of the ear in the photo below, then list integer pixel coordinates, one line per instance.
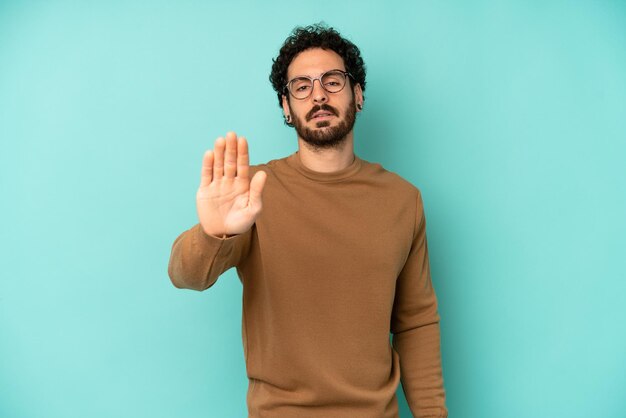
(358, 96)
(286, 109)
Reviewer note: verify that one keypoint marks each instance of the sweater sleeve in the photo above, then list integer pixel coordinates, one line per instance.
(415, 328)
(198, 259)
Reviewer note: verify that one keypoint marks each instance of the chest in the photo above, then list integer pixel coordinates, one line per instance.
(365, 230)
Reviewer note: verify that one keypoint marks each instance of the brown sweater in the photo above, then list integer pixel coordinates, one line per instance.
(334, 263)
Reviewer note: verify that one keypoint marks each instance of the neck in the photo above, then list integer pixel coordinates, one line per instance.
(327, 160)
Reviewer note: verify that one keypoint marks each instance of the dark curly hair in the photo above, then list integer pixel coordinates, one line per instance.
(315, 36)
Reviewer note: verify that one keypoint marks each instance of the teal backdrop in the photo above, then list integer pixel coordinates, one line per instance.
(510, 116)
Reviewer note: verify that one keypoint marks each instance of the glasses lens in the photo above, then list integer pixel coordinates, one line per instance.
(300, 87)
(334, 81)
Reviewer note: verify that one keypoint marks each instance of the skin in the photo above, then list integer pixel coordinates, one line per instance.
(228, 201)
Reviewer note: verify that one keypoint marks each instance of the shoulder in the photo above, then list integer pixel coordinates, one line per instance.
(390, 180)
(269, 167)
(400, 194)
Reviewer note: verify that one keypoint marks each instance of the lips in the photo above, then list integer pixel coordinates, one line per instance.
(322, 112)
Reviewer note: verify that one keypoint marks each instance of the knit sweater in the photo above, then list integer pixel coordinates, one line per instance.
(334, 263)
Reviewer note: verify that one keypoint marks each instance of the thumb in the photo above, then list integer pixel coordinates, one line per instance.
(256, 187)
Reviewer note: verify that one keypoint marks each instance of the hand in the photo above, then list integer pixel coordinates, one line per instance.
(228, 202)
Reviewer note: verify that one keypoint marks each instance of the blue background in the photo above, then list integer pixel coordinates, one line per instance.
(509, 116)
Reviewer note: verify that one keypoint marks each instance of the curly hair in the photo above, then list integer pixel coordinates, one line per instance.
(315, 36)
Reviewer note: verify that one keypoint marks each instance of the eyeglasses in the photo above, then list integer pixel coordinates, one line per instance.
(332, 81)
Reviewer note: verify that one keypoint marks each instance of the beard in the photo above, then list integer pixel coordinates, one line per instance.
(326, 136)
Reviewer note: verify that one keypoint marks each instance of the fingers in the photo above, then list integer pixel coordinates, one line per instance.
(228, 159)
(206, 175)
(256, 188)
(218, 158)
(243, 160)
(230, 156)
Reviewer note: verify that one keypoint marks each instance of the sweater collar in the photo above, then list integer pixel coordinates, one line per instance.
(294, 161)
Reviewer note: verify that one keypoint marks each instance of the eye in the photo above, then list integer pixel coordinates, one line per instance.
(300, 85)
(333, 79)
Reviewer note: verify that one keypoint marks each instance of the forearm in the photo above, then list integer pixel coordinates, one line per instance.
(197, 259)
(421, 371)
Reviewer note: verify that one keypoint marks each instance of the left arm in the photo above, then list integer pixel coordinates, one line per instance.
(415, 328)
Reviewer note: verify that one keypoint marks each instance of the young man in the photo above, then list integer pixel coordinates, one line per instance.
(335, 260)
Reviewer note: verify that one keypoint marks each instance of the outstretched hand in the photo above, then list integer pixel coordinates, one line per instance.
(228, 202)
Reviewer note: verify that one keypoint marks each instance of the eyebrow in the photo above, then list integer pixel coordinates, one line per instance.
(310, 76)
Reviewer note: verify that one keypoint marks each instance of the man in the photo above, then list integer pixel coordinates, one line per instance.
(334, 262)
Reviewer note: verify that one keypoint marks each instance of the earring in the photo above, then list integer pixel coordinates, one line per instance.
(359, 106)
(288, 118)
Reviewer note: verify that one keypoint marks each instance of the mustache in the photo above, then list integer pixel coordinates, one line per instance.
(324, 107)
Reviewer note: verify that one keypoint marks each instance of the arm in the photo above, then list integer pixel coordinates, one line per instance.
(228, 203)
(415, 328)
(198, 259)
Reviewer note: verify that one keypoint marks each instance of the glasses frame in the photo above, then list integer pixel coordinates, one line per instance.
(318, 78)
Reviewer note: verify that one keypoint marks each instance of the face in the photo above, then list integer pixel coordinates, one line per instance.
(323, 120)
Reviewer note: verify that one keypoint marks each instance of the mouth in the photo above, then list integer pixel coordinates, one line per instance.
(322, 114)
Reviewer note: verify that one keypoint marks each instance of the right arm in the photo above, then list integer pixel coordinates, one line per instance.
(198, 259)
(228, 203)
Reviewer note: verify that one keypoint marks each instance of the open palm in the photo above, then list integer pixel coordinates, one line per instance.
(228, 202)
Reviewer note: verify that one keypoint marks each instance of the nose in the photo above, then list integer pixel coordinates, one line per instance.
(319, 94)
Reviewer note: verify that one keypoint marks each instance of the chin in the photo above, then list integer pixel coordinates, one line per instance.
(322, 124)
